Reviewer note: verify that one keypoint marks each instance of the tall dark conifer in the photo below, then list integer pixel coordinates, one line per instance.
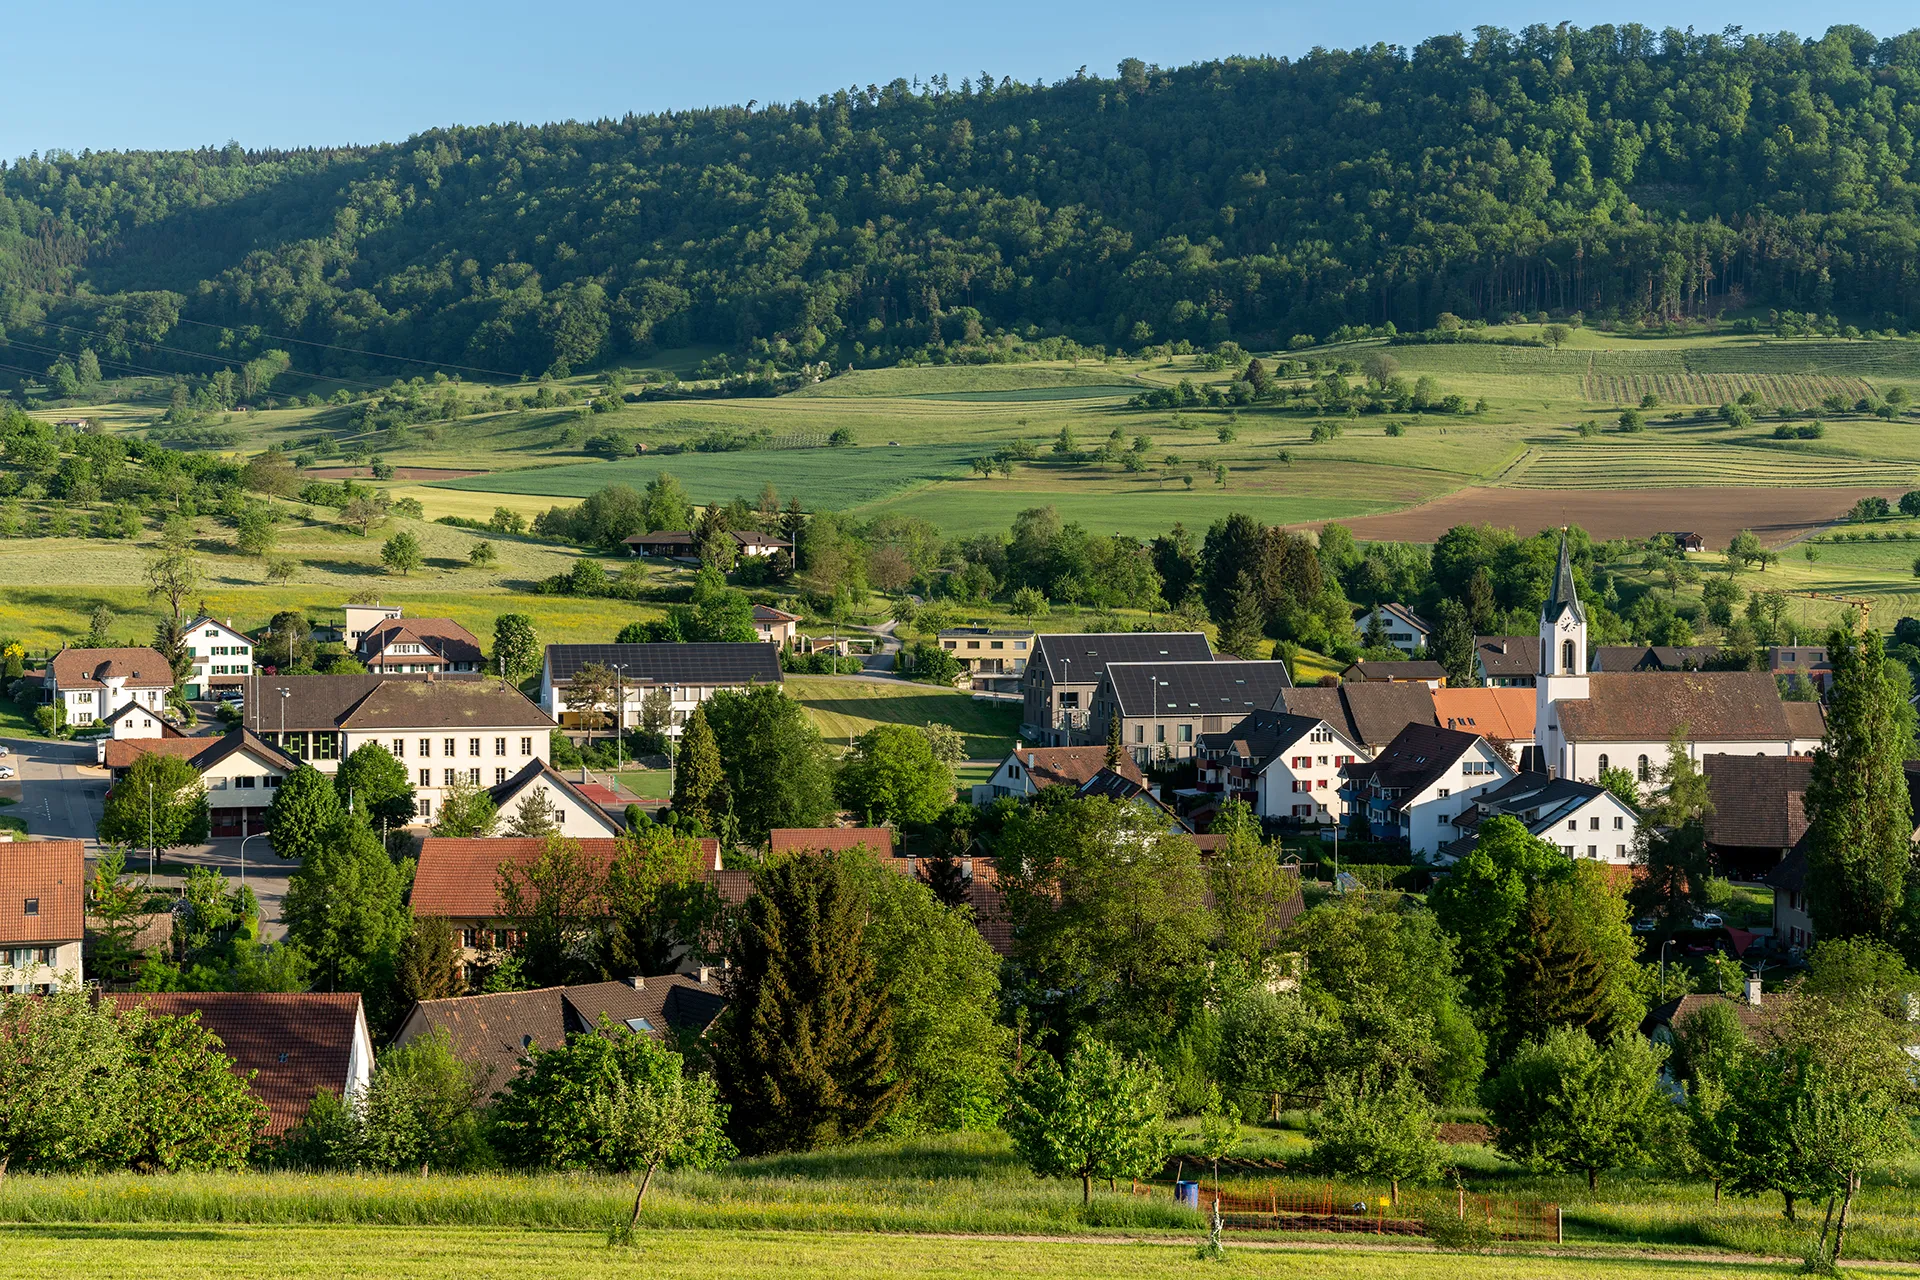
(804, 1052)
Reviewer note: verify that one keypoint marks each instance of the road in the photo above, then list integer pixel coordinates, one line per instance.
(62, 793)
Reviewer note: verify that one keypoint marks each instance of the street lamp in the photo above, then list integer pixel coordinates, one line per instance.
(619, 714)
(150, 848)
(243, 853)
(284, 695)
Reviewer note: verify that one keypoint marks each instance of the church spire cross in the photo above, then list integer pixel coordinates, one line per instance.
(1564, 598)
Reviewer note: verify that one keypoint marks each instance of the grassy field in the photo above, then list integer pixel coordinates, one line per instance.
(846, 707)
(167, 1253)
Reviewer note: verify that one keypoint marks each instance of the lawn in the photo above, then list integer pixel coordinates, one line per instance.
(165, 1252)
(844, 708)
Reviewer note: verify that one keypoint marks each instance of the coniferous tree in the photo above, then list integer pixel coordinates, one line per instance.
(1453, 644)
(1672, 845)
(1555, 980)
(428, 964)
(1116, 753)
(1242, 627)
(1860, 820)
(804, 1051)
(698, 781)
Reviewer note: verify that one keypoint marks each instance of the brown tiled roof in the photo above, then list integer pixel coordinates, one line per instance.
(323, 702)
(493, 1032)
(1806, 719)
(142, 667)
(1508, 655)
(443, 637)
(879, 840)
(1757, 800)
(297, 1043)
(1396, 670)
(122, 752)
(767, 613)
(1646, 706)
(1070, 766)
(458, 878)
(1753, 1017)
(1371, 713)
(449, 704)
(53, 873)
(201, 752)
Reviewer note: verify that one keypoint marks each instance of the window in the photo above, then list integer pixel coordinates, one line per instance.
(271, 780)
(1322, 784)
(1566, 655)
(1573, 824)
(245, 782)
(1159, 733)
(426, 777)
(1619, 824)
(499, 746)
(1593, 824)
(449, 775)
(473, 776)
(33, 906)
(473, 746)
(1186, 733)
(469, 938)
(1593, 851)
(452, 747)
(499, 776)
(526, 746)
(1139, 733)
(1603, 763)
(426, 747)
(1646, 770)
(1620, 850)
(422, 806)
(399, 748)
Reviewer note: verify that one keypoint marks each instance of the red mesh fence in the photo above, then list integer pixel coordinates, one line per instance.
(1274, 1208)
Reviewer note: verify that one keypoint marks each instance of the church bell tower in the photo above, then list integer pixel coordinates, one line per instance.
(1562, 671)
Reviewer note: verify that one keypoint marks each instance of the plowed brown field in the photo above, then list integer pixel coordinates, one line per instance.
(1716, 513)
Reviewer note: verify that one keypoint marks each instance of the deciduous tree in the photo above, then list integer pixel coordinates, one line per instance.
(1099, 1114)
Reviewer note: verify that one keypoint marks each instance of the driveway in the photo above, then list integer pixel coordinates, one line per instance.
(61, 790)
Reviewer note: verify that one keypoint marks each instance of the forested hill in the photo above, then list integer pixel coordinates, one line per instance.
(1609, 171)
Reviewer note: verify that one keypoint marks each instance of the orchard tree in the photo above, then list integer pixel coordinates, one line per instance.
(1565, 1103)
(1100, 1114)
(402, 553)
(653, 1112)
(892, 777)
(1379, 1133)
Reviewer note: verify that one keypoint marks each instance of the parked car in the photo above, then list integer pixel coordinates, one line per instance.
(1645, 924)
(6, 771)
(4, 753)
(1708, 920)
(231, 695)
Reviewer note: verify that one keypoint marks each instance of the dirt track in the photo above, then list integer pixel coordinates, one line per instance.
(1716, 513)
(399, 473)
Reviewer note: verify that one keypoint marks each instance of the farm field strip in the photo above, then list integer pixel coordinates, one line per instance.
(1617, 465)
(1798, 390)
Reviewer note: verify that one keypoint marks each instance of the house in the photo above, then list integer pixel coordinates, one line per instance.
(1758, 812)
(577, 811)
(791, 840)
(753, 543)
(494, 1033)
(443, 728)
(1503, 714)
(222, 657)
(1405, 630)
(1164, 708)
(1057, 693)
(776, 627)
(134, 723)
(362, 618)
(1792, 919)
(1027, 771)
(1581, 819)
(1423, 780)
(1123, 788)
(439, 645)
(680, 544)
(988, 651)
(43, 894)
(1587, 721)
(1808, 661)
(1506, 662)
(292, 1044)
(1284, 766)
(1686, 541)
(459, 880)
(92, 684)
(1653, 657)
(688, 673)
(1431, 674)
(241, 772)
(1369, 715)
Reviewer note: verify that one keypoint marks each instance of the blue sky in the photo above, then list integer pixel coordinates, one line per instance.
(120, 74)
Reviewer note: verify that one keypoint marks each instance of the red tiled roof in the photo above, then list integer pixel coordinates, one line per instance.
(1070, 766)
(459, 878)
(442, 637)
(53, 873)
(122, 752)
(1646, 706)
(879, 840)
(297, 1043)
(142, 668)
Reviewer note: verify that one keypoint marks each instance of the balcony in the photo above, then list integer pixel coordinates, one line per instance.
(1071, 719)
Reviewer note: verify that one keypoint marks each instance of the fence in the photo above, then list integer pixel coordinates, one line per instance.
(1336, 1209)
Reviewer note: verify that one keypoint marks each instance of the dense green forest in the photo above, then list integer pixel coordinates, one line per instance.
(1615, 171)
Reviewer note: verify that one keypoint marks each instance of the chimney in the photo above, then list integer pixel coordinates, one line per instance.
(701, 975)
(1753, 991)
(637, 982)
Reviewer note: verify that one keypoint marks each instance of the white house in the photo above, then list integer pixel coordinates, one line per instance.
(1027, 771)
(1587, 721)
(221, 656)
(362, 618)
(1423, 781)
(241, 773)
(92, 684)
(419, 644)
(445, 729)
(576, 809)
(1285, 766)
(1405, 630)
(43, 885)
(1582, 820)
(776, 626)
(690, 673)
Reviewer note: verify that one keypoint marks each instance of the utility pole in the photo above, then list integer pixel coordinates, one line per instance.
(150, 849)
(619, 713)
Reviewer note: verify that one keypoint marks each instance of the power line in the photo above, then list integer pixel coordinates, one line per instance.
(196, 355)
(356, 351)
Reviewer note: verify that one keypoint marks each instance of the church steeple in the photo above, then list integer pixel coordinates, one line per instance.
(1564, 600)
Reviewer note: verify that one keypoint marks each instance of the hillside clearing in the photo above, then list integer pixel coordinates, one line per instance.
(846, 707)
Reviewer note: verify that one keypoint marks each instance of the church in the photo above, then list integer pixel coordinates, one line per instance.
(1587, 721)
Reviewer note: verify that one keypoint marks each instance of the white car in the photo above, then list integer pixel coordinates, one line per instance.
(1708, 920)
(6, 771)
